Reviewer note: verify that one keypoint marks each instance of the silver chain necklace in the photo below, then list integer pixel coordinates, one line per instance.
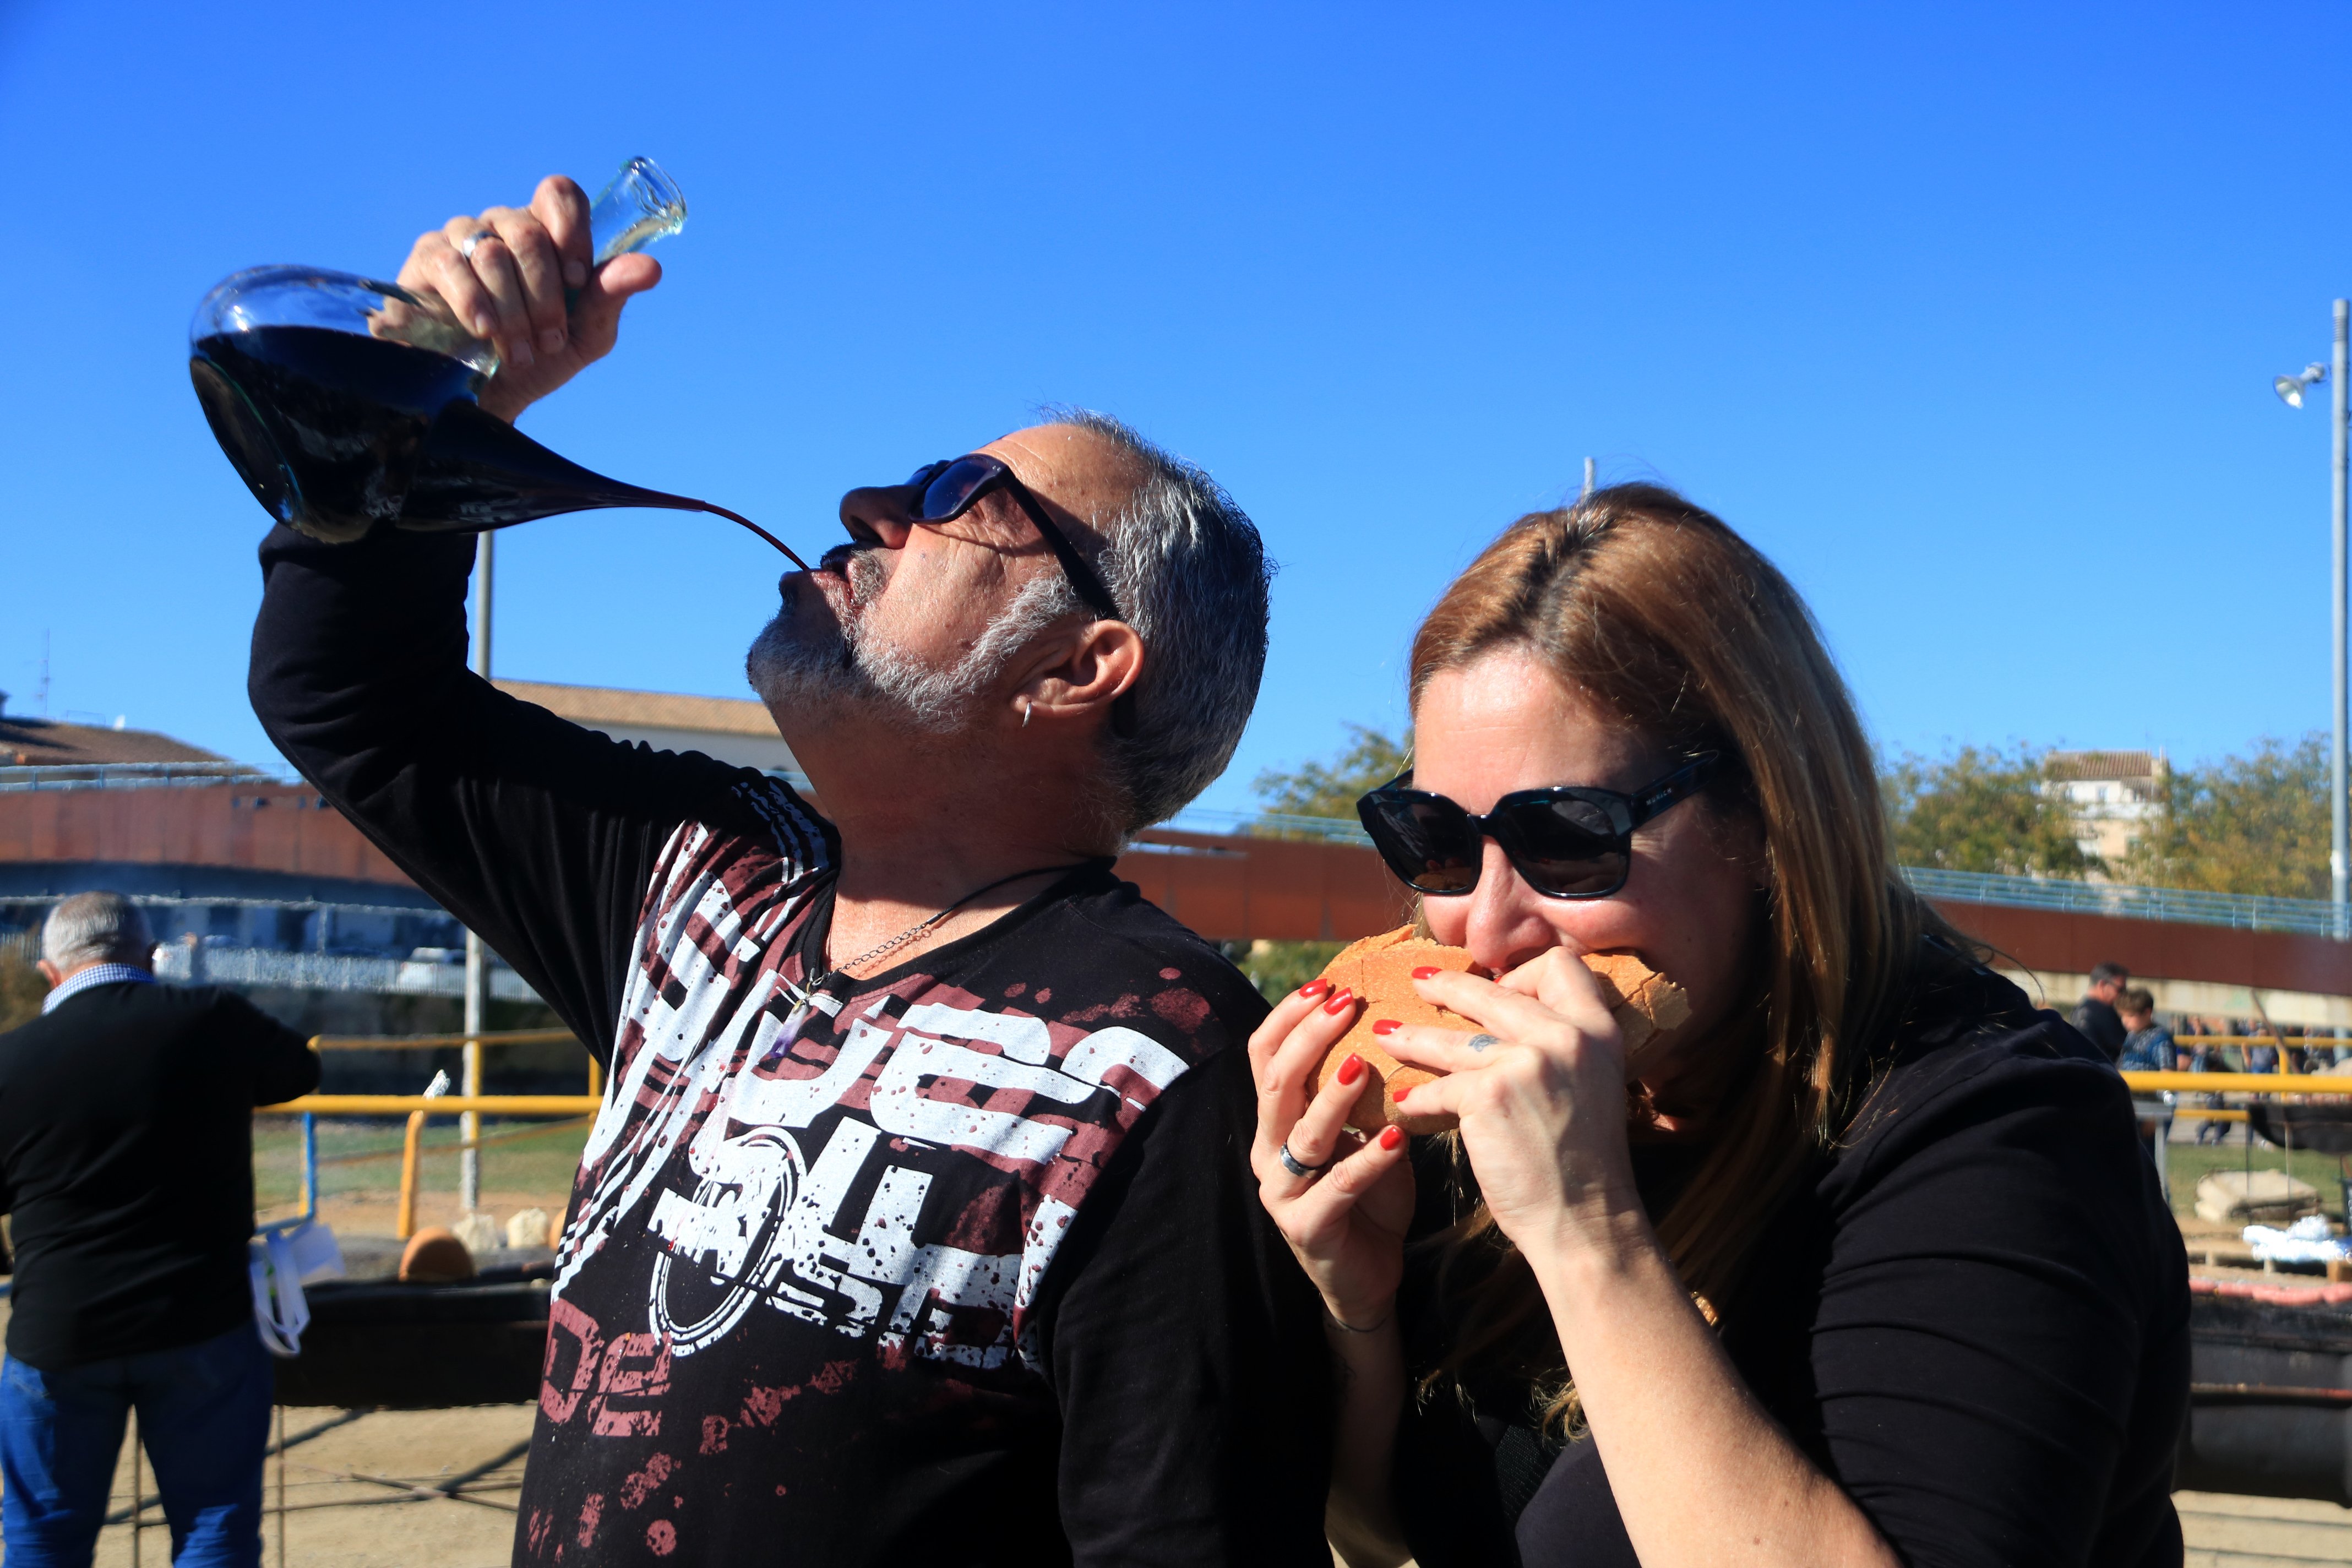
(917, 930)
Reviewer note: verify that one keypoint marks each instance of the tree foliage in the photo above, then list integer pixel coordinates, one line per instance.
(1982, 809)
(1329, 789)
(1370, 758)
(2255, 824)
(21, 988)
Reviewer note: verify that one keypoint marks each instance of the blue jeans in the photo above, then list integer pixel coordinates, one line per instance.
(203, 1419)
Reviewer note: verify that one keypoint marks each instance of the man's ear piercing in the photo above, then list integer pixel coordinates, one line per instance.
(1026, 704)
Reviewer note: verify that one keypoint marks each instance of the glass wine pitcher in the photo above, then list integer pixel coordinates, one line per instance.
(345, 402)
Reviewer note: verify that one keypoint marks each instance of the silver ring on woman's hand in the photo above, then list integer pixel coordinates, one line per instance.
(1290, 1162)
(1480, 1042)
(465, 246)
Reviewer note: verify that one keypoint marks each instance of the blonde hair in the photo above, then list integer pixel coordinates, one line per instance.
(1669, 622)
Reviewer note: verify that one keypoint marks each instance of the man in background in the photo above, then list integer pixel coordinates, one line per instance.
(2096, 1015)
(126, 1156)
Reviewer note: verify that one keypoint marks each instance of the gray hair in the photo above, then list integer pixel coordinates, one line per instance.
(1189, 569)
(95, 928)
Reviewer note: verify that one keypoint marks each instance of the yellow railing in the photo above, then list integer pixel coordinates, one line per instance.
(417, 1107)
(2295, 1083)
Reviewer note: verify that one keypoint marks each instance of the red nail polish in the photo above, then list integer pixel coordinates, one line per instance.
(1398, 1094)
(1426, 970)
(1314, 988)
(1340, 1001)
(1350, 1070)
(1392, 1136)
(1386, 1026)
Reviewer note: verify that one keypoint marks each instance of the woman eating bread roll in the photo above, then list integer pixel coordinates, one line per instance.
(1686, 1191)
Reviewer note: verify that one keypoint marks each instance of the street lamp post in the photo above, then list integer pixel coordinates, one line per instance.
(2291, 390)
(477, 957)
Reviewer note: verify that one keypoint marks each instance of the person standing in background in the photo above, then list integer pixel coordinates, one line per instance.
(126, 1156)
(2147, 1045)
(2095, 1015)
(2208, 1059)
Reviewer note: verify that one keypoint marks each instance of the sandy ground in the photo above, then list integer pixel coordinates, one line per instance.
(373, 1492)
(391, 1489)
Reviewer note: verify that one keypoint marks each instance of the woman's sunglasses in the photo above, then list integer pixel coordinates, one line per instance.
(952, 486)
(1568, 842)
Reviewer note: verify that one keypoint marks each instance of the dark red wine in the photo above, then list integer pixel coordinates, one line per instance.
(327, 427)
(335, 433)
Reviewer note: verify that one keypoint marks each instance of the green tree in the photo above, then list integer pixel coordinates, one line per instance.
(1982, 809)
(21, 987)
(2254, 823)
(1329, 788)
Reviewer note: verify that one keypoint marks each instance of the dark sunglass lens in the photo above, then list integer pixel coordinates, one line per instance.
(1432, 847)
(952, 490)
(1567, 846)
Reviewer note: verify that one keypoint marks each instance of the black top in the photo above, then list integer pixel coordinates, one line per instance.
(2101, 1024)
(962, 1264)
(126, 1155)
(1974, 1316)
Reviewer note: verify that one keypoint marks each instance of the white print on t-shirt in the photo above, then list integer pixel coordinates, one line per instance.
(766, 1220)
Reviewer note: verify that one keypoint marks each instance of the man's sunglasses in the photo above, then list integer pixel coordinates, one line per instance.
(1568, 842)
(953, 486)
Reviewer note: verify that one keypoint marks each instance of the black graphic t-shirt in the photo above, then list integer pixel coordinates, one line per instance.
(962, 1264)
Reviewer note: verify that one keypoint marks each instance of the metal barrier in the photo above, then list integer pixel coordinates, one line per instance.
(417, 1107)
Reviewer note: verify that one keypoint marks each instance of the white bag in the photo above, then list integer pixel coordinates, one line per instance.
(278, 1261)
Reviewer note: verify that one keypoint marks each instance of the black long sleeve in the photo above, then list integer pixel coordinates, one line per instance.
(536, 832)
(126, 1156)
(1975, 1319)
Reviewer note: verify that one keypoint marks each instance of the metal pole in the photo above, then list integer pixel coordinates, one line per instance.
(1587, 493)
(2339, 842)
(477, 958)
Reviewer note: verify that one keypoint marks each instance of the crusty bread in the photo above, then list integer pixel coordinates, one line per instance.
(434, 1256)
(1379, 969)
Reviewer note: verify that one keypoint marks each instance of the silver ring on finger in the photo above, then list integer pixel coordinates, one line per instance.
(465, 246)
(1290, 1162)
(1480, 1042)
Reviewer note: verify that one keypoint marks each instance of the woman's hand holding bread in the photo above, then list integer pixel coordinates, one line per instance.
(1345, 1219)
(1536, 1083)
(1401, 1037)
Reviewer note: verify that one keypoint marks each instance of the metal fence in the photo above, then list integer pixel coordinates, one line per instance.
(131, 776)
(2310, 917)
(202, 963)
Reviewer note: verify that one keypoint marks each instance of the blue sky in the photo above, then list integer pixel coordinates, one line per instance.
(1968, 319)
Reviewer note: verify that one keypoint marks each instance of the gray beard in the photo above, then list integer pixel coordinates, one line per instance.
(846, 666)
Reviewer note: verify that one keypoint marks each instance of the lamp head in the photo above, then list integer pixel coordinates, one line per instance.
(2291, 388)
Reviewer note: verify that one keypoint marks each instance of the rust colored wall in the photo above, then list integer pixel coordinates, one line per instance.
(2071, 944)
(1236, 889)
(263, 827)
(1242, 889)
(1227, 888)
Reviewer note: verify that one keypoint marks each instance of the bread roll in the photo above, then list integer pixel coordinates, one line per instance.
(1379, 969)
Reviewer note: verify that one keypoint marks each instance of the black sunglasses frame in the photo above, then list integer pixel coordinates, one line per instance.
(998, 476)
(1502, 824)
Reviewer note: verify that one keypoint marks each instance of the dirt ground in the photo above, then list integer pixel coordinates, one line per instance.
(391, 1489)
(387, 1489)
(400, 1488)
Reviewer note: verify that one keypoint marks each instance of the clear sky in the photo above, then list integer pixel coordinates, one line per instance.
(1968, 319)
